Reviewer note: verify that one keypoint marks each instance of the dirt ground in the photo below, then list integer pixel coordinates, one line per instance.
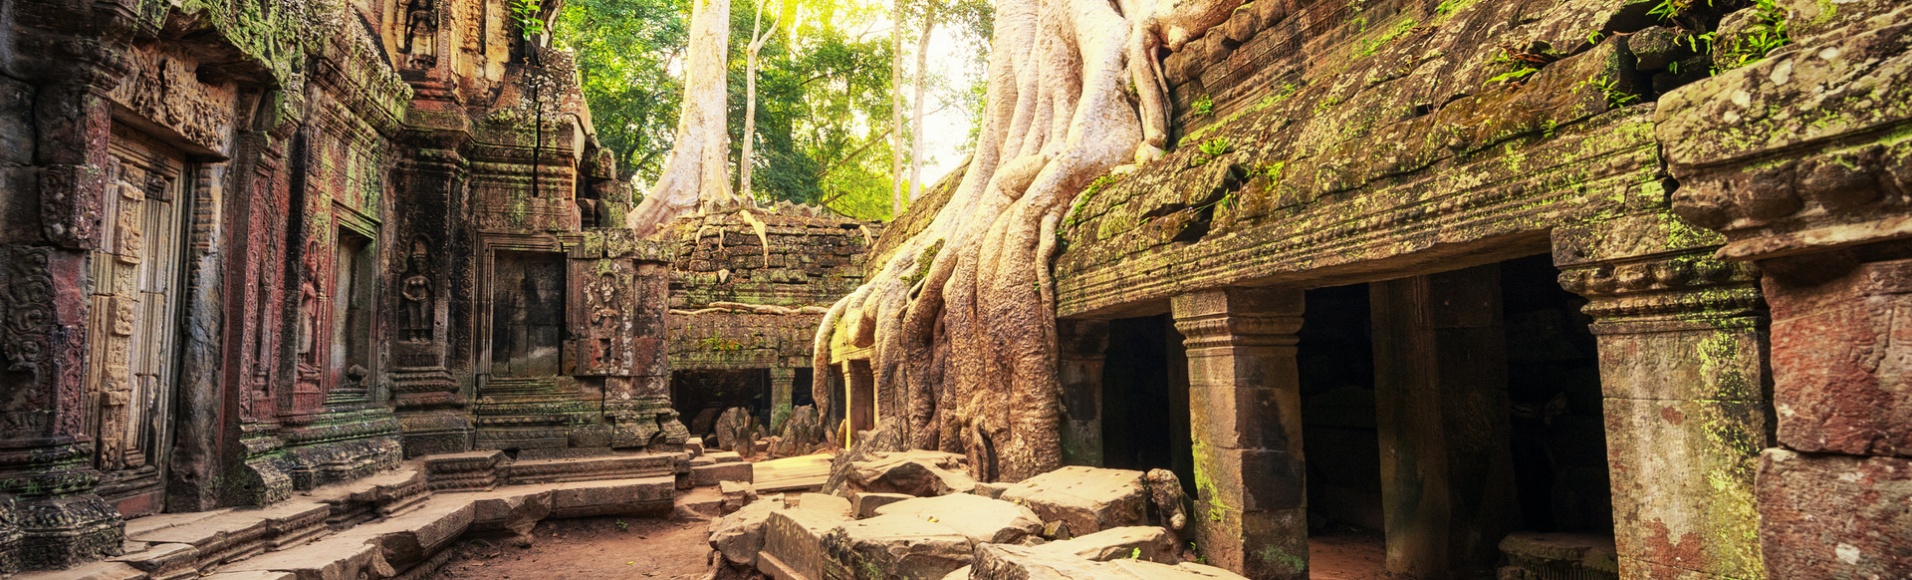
(588, 549)
(1348, 555)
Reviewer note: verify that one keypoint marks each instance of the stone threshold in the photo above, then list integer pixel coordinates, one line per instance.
(393, 524)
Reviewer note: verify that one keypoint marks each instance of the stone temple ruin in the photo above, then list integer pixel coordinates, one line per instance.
(312, 289)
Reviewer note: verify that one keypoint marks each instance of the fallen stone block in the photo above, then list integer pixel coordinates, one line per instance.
(1087, 499)
(712, 474)
(409, 539)
(1007, 562)
(695, 446)
(793, 544)
(1143, 542)
(918, 473)
(513, 511)
(342, 557)
(738, 537)
(821, 502)
(734, 495)
(898, 546)
(649, 496)
(867, 502)
(980, 519)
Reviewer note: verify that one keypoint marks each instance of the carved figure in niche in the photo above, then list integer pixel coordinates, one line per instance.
(416, 289)
(606, 317)
(421, 32)
(309, 312)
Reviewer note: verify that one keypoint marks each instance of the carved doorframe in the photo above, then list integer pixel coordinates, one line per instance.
(489, 244)
(138, 304)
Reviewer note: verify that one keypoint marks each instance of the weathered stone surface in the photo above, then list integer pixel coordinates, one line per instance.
(737, 431)
(1842, 367)
(867, 502)
(978, 518)
(1088, 499)
(1000, 562)
(719, 472)
(900, 546)
(793, 543)
(916, 472)
(736, 494)
(821, 503)
(1832, 516)
(739, 536)
(801, 434)
(1145, 542)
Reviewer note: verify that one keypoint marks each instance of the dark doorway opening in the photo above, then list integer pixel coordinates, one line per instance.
(702, 395)
(1335, 360)
(803, 388)
(1558, 431)
(1145, 398)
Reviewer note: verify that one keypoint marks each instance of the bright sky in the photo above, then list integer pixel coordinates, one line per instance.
(945, 131)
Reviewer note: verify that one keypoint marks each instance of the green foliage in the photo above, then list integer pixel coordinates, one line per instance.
(1216, 147)
(1202, 106)
(625, 52)
(1082, 199)
(1518, 69)
(1448, 7)
(1367, 47)
(1768, 32)
(1273, 171)
(1610, 87)
(525, 13)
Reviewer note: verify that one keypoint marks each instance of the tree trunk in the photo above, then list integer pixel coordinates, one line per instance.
(896, 110)
(916, 119)
(961, 321)
(757, 38)
(697, 171)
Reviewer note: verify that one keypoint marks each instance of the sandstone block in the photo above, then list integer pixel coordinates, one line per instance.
(739, 536)
(712, 474)
(1833, 516)
(1842, 362)
(898, 546)
(918, 473)
(1088, 499)
(1145, 542)
(1004, 562)
(867, 502)
(978, 518)
(735, 495)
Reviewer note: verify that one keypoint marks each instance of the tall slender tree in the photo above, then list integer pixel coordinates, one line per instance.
(697, 171)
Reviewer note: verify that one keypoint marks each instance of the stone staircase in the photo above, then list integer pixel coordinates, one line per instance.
(394, 524)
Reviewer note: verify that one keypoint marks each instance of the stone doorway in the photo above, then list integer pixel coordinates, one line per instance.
(1489, 422)
(1144, 406)
(138, 275)
(704, 394)
(527, 321)
(1341, 443)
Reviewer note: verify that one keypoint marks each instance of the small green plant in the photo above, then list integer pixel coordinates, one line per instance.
(1369, 47)
(1273, 171)
(1447, 7)
(525, 12)
(1669, 9)
(1202, 106)
(1768, 32)
(621, 525)
(1520, 65)
(1135, 553)
(1610, 87)
(1215, 147)
(1594, 37)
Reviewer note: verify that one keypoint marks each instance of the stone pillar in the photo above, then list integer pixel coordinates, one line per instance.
(1682, 338)
(782, 381)
(859, 397)
(1082, 345)
(431, 408)
(1440, 390)
(1245, 416)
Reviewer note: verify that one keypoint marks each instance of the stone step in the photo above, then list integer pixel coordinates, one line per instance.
(623, 465)
(403, 528)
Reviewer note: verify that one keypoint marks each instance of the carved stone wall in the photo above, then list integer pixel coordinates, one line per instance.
(749, 287)
(261, 230)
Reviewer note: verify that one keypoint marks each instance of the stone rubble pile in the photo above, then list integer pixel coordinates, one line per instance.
(919, 515)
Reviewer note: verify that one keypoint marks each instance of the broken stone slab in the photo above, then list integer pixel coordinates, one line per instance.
(106, 570)
(344, 557)
(695, 446)
(898, 546)
(978, 518)
(793, 543)
(1086, 499)
(1008, 562)
(1144, 542)
(989, 489)
(736, 431)
(723, 457)
(408, 539)
(821, 502)
(734, 494)
(739, 536)
(635, 497)
(163, 560)
(703, 475)
(867, 502)
(516, 511)
(918, 473)
(252, 575)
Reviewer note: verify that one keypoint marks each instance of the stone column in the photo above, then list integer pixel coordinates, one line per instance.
(429, 402)
(782, 381)
(1082, 346)
(1682, 338)
(1440, 390)
(859, 400)
(1245, 416)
